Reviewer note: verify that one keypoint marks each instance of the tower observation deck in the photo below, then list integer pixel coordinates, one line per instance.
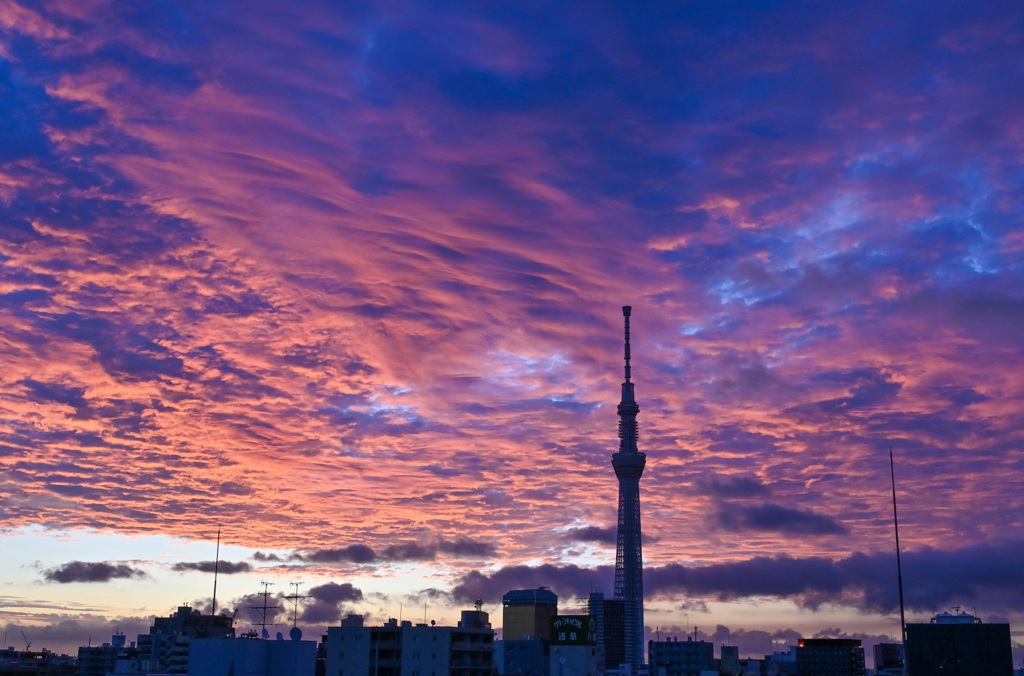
(629, 465)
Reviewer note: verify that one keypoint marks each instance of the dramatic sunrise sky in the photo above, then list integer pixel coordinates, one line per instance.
(344, 279)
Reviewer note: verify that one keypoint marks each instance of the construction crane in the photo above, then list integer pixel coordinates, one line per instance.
(28, 644)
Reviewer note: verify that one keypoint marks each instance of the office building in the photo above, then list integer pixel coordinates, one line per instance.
(527, 614)
(830, 657)
(100, 660)
(522, 658)
(673, 657)
(573, 646)
(402, 649)
(958, 645)
(165, 648)
(730, 664)
(251, 657)
(35, 663)
(610, 630)
(888, 659)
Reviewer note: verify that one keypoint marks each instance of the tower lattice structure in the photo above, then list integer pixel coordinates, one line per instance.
(629, 465)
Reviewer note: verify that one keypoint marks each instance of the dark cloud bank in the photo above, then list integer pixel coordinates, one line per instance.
(406, 551)
(223, 567)
(933, 579)
(84, 571)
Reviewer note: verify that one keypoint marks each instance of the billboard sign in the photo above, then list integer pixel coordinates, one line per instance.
(573, 630)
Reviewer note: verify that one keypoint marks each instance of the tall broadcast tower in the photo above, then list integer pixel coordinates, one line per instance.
(629, 466)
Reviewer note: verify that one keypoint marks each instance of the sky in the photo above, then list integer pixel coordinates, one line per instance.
(344, 281)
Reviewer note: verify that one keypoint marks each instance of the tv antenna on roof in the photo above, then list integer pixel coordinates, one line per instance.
(294, 598)
(265, 607)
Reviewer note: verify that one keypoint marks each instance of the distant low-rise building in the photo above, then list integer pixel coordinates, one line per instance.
(888, 659)
(36, 663)
(526, 614)
(251, 657)
(404, 649)
(610, 622)
(780, 663)
(673, 657)
(522, 658)
(729, 663)
(100, 660)
(165, 648)
(573, 646)
(830, 657)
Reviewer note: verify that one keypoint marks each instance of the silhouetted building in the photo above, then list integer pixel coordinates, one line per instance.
(830, 657)
(527, 614)
(35, 663)
(888, 659)
(781, 663)
(165, 648)
(629, 465)
(100, 660)
(523, 658)
(959, 645)
(610, 629)
(397, 649)
(673, 657)
(730, 662)
(526, 631)
(251, 657)
(573, 646)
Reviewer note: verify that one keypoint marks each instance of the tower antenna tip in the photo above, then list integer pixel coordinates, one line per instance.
(626, 310)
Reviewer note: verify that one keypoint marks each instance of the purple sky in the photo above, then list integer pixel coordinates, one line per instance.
(344, 279)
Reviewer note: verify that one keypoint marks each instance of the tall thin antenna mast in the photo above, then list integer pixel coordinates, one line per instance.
(216, 566)
(626, 311)
(899, 567)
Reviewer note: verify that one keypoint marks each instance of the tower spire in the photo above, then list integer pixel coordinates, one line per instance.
(627, 407)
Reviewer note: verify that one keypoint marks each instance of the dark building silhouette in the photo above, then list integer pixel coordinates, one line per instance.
(573, 645)
(629, 465)
(889, 659)
(609, 629)
(958, 645)
(100, 660)
(680, 658)
(165, 648)
(525, 658)
(729, 665)
(830, 657)
(527, 614)
(36, 663)
(526, 630)
(402, 649)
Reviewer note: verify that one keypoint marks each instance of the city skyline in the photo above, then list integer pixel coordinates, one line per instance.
(345, 283)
